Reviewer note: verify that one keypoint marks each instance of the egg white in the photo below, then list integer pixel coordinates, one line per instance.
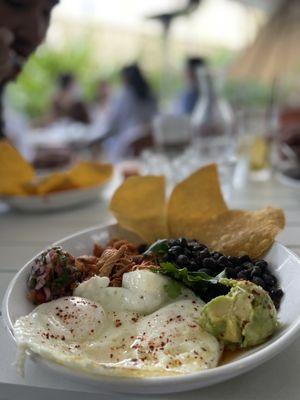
(133, 330)
(142, 291)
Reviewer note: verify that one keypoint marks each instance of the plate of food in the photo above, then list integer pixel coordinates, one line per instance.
(23, 189)
(137, 307)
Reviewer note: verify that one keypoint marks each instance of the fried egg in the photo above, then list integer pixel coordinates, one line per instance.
(121, 333)
(142, 291)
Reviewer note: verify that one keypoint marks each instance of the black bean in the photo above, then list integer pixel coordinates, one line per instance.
(244, 275)
(256, 271)
(272, 289)
(239, 269)
(269, 279)
(199, 262)
(192, 266)
(230, 272)
(200, 247)
(209, 263)
(234, 261)
(221, 266)
(277, 293)
(258, 281)
(176, 250)
(188, 253)
(194, 246)
(173, 242)
(247, 265)
(244, 259)
(262, 264)
(224, 261)
(216, 255)
(203, 254)
(183, 242)
(182, 261)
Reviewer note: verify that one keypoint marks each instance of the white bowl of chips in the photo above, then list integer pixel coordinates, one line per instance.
(22, 189)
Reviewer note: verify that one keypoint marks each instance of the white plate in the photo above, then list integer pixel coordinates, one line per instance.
(284, 263)
(54, 201)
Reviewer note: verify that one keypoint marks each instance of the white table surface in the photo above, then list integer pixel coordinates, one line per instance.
(23, 235)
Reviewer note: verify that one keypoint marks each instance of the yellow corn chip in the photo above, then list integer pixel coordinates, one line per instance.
(194, 200)
(87, 174)
(15, 171)
(238, 232)
(56, 182)
(139, 206)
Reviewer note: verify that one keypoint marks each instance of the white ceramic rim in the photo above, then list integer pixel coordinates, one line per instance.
(213, 375)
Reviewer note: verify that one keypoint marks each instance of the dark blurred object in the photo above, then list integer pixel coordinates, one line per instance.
(289, 143)
(78, 113)
(129, 168)
(191, 92)
(52, 158)
(290, 130)
(143, 143)
(67, 102)
(134, 79)
(166, 19)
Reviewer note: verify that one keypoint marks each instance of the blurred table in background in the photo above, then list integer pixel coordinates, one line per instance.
(24, 235)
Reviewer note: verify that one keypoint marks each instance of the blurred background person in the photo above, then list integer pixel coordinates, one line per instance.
(131, 114)
(101, 104)
(22, 29)
(187, 99)
(68, 102)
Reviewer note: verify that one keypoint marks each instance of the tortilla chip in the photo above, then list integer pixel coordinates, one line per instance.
(238, 232)
(82, 175)
(139, 206)
(196, 210)
(87, 174)
(15, 171)
(196, 199)
(56, 182)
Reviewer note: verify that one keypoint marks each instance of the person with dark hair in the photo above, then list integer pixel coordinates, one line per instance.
(136, 82)
(190, 94)
(131, 113)
(67, 102)
(23, 26)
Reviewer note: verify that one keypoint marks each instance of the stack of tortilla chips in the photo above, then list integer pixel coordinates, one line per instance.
(18, 178)
(195, 210)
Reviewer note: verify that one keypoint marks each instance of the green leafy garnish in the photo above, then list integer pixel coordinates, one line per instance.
(187, 277)
(160, 247)
(173, 289)
(63, 279)
(202, 284)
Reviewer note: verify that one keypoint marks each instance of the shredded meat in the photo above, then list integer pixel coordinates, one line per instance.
(98, 250)
(113, 261)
